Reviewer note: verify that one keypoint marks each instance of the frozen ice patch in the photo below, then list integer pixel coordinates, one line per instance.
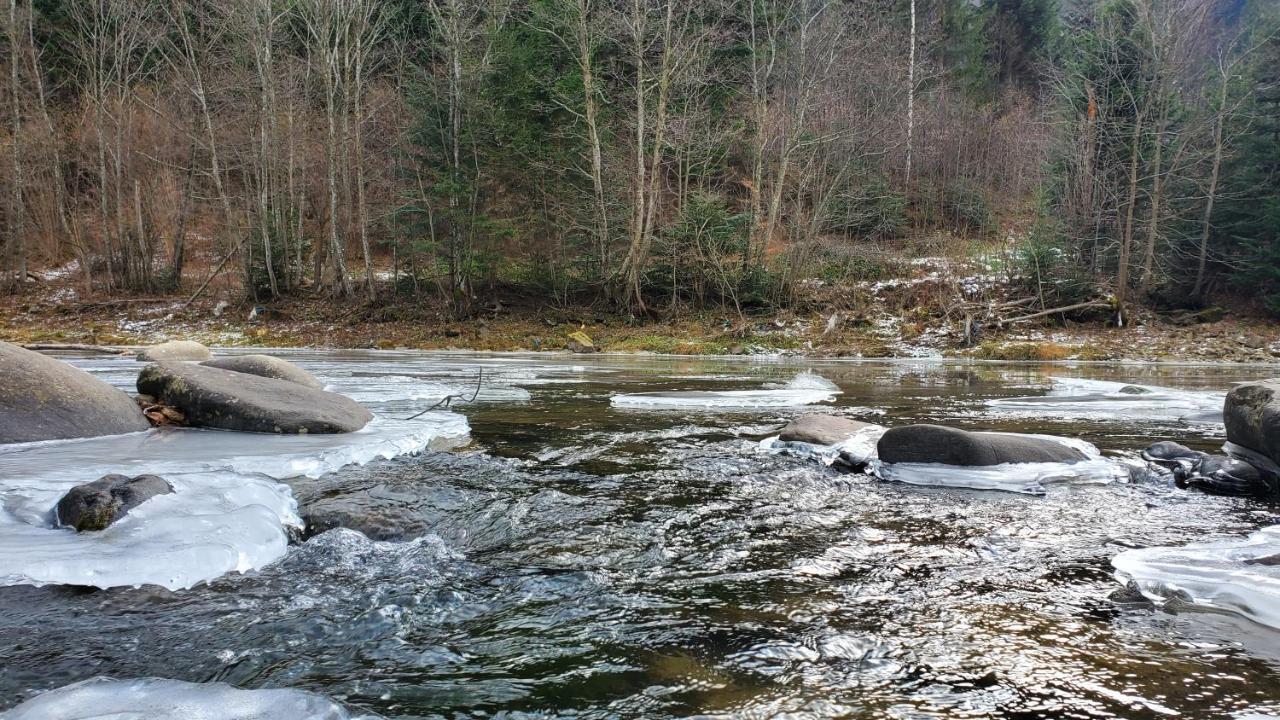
(227, 514)
(1084, 399)
(805, 389)
(104, 698)
(1240, 575)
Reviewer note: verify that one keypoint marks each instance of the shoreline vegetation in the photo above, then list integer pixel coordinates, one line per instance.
(910, 316)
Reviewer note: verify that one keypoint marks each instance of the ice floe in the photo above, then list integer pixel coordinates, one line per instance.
(1237, 575)
(805, 389)
(1084, 399)
(228, 513)
(104, 698)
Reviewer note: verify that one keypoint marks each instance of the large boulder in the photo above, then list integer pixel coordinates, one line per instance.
(1252, 415)
(268, 367)
(216, 398)
(95, 505)
(43, 398)
(175, 350)
(821, 429)
(949, 446)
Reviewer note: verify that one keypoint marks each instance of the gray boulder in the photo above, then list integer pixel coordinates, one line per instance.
(820, 429)
(43, 398)
(95, 505)
(175, 350)
(216, 398)
(1252, 415)
(949, 446)
(268, 367)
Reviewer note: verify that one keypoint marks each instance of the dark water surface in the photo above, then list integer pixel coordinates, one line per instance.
(578, 560)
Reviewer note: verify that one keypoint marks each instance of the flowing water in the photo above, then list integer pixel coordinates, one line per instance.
(591, 557)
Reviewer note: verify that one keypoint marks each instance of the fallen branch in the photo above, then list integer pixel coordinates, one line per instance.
(43, 347)
(1091, 305)
(447, 399)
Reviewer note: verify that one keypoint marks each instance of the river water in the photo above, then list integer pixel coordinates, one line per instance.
(592, 559)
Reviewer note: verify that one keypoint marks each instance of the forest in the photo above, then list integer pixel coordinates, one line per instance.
(647, 155)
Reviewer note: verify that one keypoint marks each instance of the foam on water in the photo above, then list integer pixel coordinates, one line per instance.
(1239, 575)
(105, 698)
(1084, 399)
(805, 389)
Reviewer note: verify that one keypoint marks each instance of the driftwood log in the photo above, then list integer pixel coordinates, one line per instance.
(74, 347)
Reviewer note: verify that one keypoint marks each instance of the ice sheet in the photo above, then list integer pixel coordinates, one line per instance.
(805, 389)
(1085, 399)
(104, 698)
(1224, 574)
(228, 512)
(1030, 478)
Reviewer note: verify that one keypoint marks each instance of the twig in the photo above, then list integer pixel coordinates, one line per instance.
(447, 399)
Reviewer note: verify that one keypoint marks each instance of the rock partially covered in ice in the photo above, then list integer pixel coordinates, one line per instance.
(161, 699)
(951, 446)
(175, 350)
(1252, 415)
(820, 429)
(217, 398)
(268, 367)
(1240, 575)
(95, 505)
(1222, 475)
(43, 398)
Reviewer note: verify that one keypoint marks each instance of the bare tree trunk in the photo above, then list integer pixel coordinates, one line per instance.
(585, 65)
(17, 214)
(1206, 225)
(1126, 239)
(911, 92)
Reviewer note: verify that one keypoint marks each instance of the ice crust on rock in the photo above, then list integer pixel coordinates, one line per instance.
(856, 449)
(104, 698)
(805, 389)
(1029, 478)
(1223, 574)
(1085, 399)
(228, 513)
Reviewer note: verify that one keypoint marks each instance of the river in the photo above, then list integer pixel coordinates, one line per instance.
(581, 559)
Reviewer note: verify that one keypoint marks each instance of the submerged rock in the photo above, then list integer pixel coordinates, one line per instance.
(950, 446)
(95, 505)
(43, 398)
(268, 367)
(216, 398)
(175, 350)
(1252, 416)
(821, 429)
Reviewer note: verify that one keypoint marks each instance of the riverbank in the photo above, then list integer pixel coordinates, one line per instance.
(904, 317)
